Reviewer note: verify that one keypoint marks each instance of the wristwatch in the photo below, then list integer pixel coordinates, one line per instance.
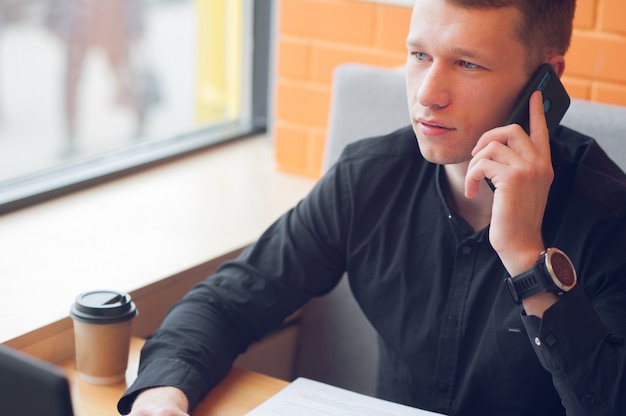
(553, 272)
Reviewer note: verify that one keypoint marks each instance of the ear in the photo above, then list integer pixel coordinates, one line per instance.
(558, 64)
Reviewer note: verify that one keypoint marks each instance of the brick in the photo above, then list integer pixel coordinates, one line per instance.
(585, 17)
(328, 56)
(290, 144)
(392, 23)
(610, 93)
(294, 58)
(577, 88)
(316, 151)
(302, 103)
(597, 56)
(299, 149)
(614, 16)
(336, 20)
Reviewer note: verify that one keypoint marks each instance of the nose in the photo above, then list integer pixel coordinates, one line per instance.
(434, 90)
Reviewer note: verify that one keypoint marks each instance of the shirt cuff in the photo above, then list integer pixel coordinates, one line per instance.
(165, 372)
(569, 331)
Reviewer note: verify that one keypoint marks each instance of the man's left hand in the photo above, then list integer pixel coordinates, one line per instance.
(520, 168)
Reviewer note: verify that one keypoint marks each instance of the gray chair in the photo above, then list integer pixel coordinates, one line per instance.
(604, 122)
(337, 344)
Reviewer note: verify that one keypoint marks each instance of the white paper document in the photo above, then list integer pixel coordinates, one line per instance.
(305, 397)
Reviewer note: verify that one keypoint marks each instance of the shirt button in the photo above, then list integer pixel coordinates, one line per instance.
(537, 341)
(590, 398)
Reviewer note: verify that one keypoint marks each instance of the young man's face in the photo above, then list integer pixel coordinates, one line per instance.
(464, 70)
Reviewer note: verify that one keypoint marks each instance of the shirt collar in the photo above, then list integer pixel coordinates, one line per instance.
(460, 227)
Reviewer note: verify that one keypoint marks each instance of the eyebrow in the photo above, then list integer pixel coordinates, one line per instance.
(470, 53)
(457, 50)
(413, 42)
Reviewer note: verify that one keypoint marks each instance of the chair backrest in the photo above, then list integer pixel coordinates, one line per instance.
(337, 344)
(604, 122)
(365, 101)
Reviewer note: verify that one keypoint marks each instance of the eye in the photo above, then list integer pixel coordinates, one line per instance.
(468, 65)
(421, 56)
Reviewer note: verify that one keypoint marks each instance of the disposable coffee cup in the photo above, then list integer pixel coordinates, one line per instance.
(102, 331)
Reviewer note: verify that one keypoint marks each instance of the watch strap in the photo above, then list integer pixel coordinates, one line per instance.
(526, 284)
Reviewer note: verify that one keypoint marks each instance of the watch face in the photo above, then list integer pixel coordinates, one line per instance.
(562, 269)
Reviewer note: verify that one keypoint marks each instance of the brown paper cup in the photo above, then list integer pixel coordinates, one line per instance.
(102, 331)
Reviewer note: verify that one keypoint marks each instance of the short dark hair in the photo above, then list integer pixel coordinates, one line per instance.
(546, 26)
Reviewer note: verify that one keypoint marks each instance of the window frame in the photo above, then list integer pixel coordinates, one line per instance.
(74, 176)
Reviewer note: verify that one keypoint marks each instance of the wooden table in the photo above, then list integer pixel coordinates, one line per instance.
(237, 394)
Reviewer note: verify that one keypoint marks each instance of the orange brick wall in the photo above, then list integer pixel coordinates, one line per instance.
(596, 64)
(314, 36)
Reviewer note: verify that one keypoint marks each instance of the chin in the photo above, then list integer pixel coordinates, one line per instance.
(447, 156)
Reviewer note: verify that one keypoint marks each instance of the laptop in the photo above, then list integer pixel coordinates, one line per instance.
(32, 387)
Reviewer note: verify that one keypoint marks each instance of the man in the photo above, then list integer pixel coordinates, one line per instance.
(427, 244)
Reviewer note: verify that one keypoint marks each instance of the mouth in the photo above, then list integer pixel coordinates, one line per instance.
(433, 127)
(434, 124)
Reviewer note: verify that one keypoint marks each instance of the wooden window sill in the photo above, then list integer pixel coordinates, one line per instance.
(151, 234)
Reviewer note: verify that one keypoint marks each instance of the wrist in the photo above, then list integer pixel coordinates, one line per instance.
(537, 304)
(552, 274)
(160, 399)
(520, 260)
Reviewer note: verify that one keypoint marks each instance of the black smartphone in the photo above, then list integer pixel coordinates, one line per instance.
(556, 101)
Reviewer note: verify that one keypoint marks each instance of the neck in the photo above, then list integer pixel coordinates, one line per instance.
(476, 211)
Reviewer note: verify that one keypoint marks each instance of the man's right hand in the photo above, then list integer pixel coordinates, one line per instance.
(160, 401)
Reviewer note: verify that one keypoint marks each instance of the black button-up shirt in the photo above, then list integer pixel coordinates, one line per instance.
(451, 339)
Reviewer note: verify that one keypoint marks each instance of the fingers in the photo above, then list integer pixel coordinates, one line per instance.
(502, 149)
(539, 134)
(496, 151)
(506, 135)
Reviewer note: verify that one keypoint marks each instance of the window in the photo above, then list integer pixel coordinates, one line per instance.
(91, 89)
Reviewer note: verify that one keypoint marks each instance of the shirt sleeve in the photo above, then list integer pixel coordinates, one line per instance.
(586, 361)
(298, 257)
